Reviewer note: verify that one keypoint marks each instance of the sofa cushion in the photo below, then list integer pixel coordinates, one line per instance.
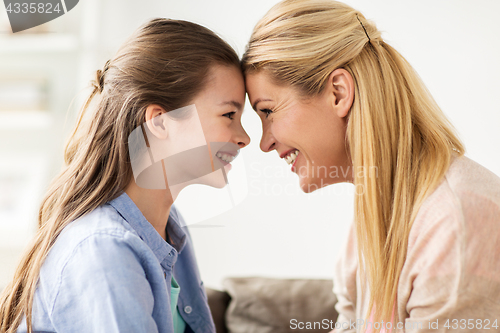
(265, 305)
(218, 302)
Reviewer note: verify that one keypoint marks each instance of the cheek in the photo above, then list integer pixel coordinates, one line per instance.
(217, 131)
(331, 143)
(287, 126)
(299, 128)
(320, 136)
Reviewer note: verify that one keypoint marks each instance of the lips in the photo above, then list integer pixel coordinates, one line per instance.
(295, 160)
(290, 156)
(227, 157)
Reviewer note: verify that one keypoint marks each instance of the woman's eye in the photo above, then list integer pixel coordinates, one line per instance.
(229, 115)
(266, 111)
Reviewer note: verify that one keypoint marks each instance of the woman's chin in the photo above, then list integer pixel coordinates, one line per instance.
(308, 185)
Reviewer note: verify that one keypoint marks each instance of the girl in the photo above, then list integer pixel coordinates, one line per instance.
(110, 254)
(331, 94)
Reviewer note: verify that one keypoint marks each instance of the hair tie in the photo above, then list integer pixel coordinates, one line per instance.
(366, 33)
(98, 83)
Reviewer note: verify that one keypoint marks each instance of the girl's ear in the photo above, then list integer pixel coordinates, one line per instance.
(156, 122)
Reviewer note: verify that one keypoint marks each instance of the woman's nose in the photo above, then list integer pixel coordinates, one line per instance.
(267, 142)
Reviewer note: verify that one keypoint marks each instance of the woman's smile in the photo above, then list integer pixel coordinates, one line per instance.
(291, 157)
(309, 134)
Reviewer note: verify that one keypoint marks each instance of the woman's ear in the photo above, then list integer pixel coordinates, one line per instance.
(156, 122)
(341, 84)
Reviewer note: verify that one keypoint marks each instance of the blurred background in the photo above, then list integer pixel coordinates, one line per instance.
(276, 231)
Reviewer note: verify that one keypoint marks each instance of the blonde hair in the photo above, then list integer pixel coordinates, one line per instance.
(166, 62)
(394, 124)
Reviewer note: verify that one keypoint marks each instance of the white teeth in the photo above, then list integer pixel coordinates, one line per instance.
(225, 157)
(291, 158)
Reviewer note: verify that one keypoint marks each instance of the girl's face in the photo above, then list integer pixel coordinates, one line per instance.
(220, 106)
(198, 142)
(309, 134)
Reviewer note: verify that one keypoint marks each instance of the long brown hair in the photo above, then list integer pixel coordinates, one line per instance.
(395, 127)
(166, 62)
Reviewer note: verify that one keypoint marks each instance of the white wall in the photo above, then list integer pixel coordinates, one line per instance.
(279, 231)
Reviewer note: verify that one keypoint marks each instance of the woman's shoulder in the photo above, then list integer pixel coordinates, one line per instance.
(467, 202)
(452, 248)
(466, 177)
(475, 193)
(467, 186)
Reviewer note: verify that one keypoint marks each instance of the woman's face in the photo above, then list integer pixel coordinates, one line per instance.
(309, 134)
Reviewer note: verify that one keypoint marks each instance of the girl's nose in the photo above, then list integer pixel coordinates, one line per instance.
(242, 139)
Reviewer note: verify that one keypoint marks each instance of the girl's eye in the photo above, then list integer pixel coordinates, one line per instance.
(229, 115)
(266, 111)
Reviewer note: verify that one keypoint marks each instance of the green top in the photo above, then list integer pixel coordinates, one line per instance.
(179, 323)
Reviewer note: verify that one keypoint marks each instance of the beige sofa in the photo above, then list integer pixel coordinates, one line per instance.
(265, 305)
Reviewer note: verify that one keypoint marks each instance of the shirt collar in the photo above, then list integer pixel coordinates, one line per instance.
(131, 213)
(175, 231)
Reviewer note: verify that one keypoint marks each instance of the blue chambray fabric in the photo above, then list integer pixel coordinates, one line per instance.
(110, 271)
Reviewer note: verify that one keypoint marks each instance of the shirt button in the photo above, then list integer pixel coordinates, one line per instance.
(188, 309)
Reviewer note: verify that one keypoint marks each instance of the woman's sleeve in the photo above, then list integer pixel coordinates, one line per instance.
(103, 288)
(344, 285)
(451, 278)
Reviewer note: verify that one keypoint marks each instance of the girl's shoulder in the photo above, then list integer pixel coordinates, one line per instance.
(92, 256)
(102, 221)
(101, 231)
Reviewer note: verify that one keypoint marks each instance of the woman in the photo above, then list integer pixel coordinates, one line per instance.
(110, 254)
(341, 105)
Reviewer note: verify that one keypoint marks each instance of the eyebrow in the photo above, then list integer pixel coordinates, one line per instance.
(233, 103)
(254, 106)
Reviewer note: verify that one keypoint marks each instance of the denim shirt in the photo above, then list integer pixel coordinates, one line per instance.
(110, 271)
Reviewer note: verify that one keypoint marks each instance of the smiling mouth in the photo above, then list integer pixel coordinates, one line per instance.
(226, 157)
(291, 156)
